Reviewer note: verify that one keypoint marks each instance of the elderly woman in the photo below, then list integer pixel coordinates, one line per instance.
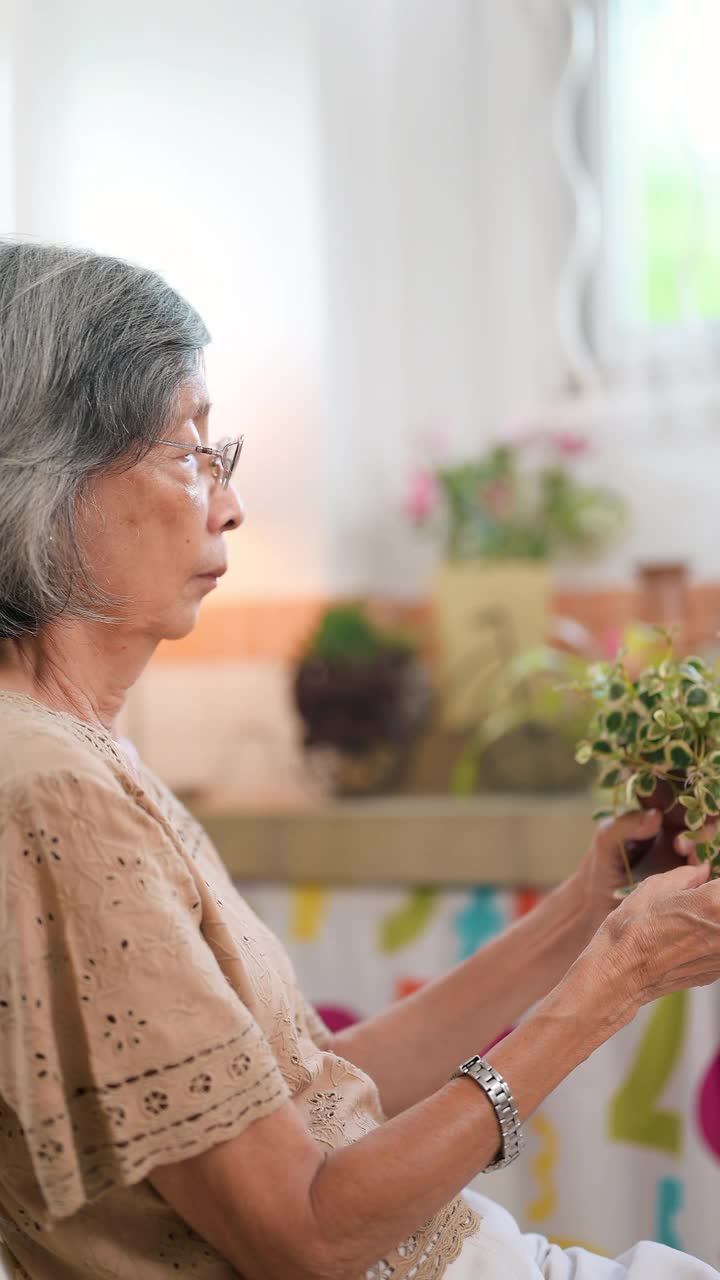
(169, 1101)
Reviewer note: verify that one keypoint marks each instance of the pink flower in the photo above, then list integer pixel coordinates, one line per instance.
(423, 496)
(572, 444)
(611, 641)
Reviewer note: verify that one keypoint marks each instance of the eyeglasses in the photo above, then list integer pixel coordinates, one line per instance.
(224, 456)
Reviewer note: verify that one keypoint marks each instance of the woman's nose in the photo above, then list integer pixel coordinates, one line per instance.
(227, 511)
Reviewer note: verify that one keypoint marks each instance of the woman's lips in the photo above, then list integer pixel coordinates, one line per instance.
(213, 573)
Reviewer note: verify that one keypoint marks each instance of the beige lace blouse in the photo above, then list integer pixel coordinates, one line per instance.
(146, 1013)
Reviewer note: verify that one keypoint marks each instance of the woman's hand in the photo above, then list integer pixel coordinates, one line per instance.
(685, 844)
(664, 936)
(603, 869)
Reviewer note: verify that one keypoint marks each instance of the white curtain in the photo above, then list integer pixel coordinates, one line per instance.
(448, 219)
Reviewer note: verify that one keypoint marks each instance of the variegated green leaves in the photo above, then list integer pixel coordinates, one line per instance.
(658, 734)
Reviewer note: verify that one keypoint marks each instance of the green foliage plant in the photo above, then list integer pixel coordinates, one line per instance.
(534, 691)
(655, 738)
(508, 504)
(347, 634)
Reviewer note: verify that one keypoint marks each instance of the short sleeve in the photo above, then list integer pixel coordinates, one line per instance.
(122, 1044)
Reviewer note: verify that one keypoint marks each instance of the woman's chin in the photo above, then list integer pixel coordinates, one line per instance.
(182, 621)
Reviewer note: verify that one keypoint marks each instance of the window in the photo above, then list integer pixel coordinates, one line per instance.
(660, 280)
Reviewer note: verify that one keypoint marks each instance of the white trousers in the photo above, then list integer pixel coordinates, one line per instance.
(500, 1251)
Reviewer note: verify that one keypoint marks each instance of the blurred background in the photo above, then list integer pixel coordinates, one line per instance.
(461, 264)
(414, 230)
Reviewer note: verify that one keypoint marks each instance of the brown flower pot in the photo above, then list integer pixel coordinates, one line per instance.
(649, 857)
(369, 712)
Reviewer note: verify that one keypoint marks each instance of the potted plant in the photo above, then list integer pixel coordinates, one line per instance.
(363, 696)
(518, 500)
(655, 737)
(504, 514)
(527, 742)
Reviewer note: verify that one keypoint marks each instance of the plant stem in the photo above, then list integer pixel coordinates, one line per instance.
(626, 860)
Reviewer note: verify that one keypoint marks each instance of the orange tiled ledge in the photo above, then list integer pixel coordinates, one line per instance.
(278, 629)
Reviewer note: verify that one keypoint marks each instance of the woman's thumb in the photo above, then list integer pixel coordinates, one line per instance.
(689, 877)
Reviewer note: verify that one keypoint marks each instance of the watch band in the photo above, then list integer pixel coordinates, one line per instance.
(503, 1102)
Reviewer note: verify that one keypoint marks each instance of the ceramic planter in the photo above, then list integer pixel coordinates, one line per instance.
(486, 612)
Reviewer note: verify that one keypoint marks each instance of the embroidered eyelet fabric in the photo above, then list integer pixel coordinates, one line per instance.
(146, 1014)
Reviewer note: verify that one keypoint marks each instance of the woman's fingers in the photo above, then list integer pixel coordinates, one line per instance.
(685, 844)
(689, 877)
(664, 941)
(640, 824)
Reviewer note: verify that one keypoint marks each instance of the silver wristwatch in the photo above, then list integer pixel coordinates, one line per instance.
(507, 1114)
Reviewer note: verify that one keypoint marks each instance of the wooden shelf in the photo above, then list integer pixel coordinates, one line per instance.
(501, 840)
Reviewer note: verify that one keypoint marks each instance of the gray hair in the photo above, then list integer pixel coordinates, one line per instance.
(93, 354)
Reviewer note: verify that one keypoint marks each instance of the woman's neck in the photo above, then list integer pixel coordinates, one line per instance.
(81, 669)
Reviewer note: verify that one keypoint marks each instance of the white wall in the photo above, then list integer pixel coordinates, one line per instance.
(362, 198)
(181, 135)
(356, 198)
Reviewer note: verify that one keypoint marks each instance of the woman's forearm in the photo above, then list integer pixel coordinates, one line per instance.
(411, 1047)
(377, 1190)
(279, 1206)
